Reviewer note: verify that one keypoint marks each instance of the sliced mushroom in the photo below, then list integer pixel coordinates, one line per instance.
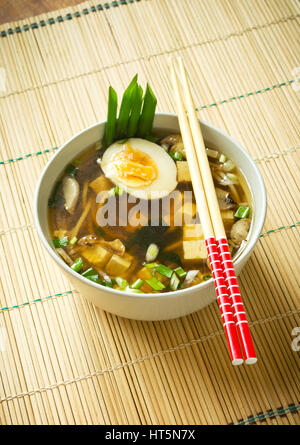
(223, 178)
(171, 139)
(71, 193)
(64, 256)
(239, 231)
(116, 246)
(88, 240)
(224, 199)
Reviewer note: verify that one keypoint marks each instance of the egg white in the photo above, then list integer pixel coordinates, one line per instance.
(166, 180)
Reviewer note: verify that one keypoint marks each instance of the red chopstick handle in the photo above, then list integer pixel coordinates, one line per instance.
(236, 302)
(224, 302)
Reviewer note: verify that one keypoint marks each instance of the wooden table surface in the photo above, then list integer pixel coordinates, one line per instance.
(11, 10)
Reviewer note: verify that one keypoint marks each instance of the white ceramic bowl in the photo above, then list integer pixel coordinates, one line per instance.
(149, 306)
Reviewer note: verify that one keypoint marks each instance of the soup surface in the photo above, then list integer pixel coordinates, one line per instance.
(126, 217)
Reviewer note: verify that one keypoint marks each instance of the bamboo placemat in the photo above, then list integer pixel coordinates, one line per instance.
(63, 361)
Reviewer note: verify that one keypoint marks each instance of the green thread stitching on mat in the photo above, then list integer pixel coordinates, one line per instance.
(32, 226)
(115, 4)
(268, 157)
(61, 294)
(268, 414)
(69, 16)
(147, 57)
(202, 107)
(29, 155)
(15, 229)
(36, 300)
(278, 229)
(251, 93)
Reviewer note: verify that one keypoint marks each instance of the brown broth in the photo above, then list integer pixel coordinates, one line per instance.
(136, 240)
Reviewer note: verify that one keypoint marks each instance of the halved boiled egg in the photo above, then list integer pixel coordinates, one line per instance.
(142, 168)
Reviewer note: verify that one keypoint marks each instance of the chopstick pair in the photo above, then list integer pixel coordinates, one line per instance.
(228, 295)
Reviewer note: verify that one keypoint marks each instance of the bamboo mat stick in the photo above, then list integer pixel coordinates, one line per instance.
(170, 366)
(198, 391)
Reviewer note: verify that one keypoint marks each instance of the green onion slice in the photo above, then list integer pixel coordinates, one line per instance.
(73, 240)
(155, 283)
(92, 275)
(151, 265)
(137, 284)
(94, 278)
(116, 191)
(222, 158)
(174, 282)
(119, 190)
(88, 272)
(242, 212)
(165, 271)
(134, 291)
(177, 156)
(232, 177)
(121, 282)
(106, 283)
(180, 272)
(77, 265)
(60, 242)
(152, 252)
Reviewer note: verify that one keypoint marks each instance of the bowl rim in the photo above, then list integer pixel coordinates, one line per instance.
(170, 294)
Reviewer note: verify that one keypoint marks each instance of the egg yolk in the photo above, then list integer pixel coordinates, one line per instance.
(134, 167)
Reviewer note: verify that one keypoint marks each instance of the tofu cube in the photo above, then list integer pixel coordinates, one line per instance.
(227, 215)
(194, 250)
(192, 232)
(100, 184)
(228, 219)
(117, 265)
(96, 255)
(183, 172)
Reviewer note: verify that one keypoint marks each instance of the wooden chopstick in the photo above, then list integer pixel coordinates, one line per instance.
(217, 223)
(203, 210)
